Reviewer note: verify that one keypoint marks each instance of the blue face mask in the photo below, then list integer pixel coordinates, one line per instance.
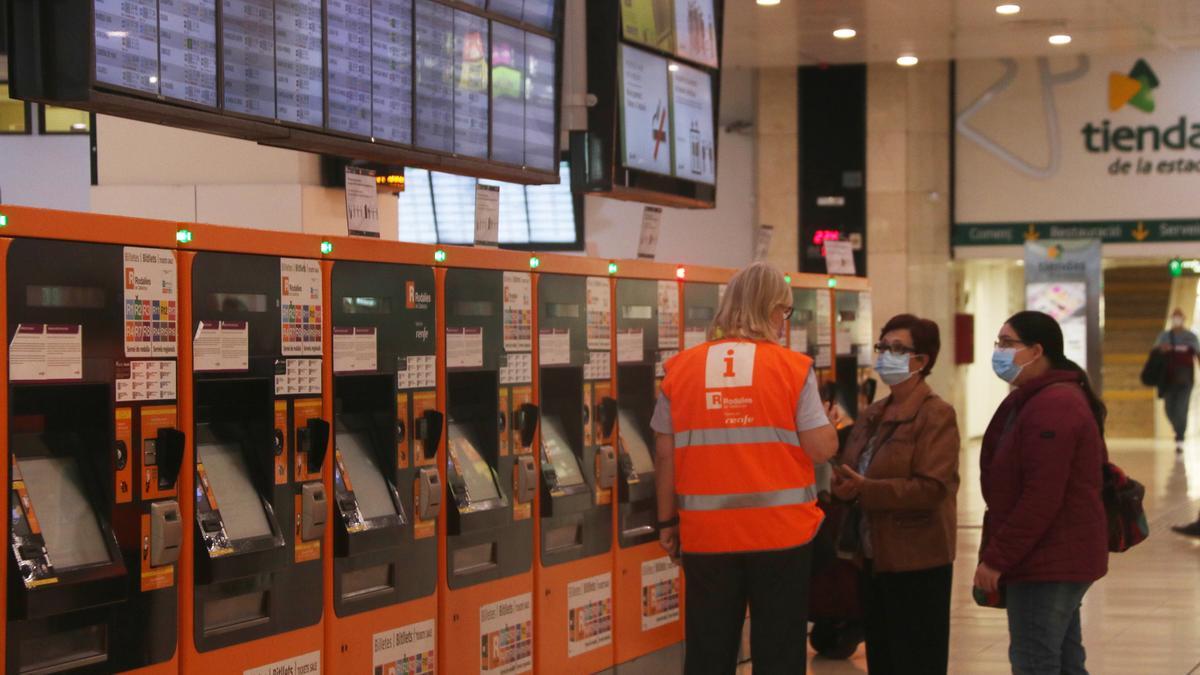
(893, 368)
(1003, 366)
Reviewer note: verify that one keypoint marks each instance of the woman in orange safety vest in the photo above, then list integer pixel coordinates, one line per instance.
(739, 427)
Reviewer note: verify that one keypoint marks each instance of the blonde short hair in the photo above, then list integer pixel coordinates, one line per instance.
(745, 311)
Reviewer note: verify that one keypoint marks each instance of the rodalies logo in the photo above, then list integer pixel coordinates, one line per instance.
(1135, 89)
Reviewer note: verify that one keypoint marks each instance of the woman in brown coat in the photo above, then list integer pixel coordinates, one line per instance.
(899, 468)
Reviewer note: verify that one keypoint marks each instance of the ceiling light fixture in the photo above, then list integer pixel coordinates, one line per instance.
(1008, 9)
(844, 33)
(1059, 40)
(767, 3)
(907, 60)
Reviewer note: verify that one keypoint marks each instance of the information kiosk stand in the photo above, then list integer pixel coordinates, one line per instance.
(810, 330)
(853, 339)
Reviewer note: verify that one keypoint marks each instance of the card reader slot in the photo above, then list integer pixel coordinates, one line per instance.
(368, 582)
(475, 559)
(235, 612)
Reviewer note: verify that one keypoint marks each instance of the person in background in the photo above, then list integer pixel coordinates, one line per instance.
(739, 427)
(1045, 538)
(900, 471)
(1182, 348)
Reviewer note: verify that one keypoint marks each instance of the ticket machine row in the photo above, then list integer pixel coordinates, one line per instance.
(245, 452)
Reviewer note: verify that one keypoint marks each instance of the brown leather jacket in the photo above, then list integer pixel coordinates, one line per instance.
(912, 481)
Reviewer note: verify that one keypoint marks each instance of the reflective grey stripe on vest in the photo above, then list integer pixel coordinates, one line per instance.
(735, 436)
(748, 500)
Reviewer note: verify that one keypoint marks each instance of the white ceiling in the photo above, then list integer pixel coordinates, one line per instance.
(799, 32)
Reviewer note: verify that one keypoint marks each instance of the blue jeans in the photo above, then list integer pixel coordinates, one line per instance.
(1043, 628)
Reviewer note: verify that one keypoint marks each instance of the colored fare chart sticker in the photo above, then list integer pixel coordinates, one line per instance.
(589, 614)
(300, 306)
(506, 636)
(408, 650)
(660, 593)
(151, 302)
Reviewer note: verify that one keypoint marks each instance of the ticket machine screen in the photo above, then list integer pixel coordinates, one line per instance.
(474, 471)
(558, 453)
(240, 505)
(69, 526)
(634, 444)
(370, 488)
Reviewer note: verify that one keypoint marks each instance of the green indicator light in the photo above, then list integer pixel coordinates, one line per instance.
(832, 282)
(1175, 267)
(534, 262)
(612, 268)
(439, 256)
(787, 278)
(326, 247)
(3, 220)
(183, 236)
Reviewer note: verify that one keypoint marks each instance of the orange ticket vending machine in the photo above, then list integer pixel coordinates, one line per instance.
(648, 586)
(853, 340)
(573, 570)
(485, 545)
(810, 330)
(251, 391)
(381, 576)
(92, 442)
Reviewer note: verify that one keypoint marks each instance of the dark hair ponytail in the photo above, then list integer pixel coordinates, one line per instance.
(1037, 328)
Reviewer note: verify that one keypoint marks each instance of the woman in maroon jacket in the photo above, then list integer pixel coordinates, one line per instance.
(1044, 534)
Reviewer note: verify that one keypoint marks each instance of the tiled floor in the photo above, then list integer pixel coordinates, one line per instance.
(1142, 619)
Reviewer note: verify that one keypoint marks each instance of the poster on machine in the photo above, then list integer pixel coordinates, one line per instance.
(589, 614)
(599, 314)
(660, 593)
(1062, 279)
(408, 650)
(46, 351)
(151, 302)
(518, 312)
(668, 314)
(506, 636)
(300, 306)
(824, 318)
(305, 664)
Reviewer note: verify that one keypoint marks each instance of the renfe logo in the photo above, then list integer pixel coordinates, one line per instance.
(1135, 89)
(410, 294)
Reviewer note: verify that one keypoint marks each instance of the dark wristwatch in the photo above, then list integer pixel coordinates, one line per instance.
(664, 524)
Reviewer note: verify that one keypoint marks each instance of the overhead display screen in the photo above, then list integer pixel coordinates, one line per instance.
(645, 111)
(685, 28)
(474, 80)
(692, 124)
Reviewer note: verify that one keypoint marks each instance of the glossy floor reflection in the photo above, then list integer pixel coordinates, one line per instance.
(1143, 618)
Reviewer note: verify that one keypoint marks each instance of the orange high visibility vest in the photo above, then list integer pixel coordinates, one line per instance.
(742, 481)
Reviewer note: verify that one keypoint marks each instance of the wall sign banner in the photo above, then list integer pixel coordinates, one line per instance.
(1104, 147)
(1062, 279)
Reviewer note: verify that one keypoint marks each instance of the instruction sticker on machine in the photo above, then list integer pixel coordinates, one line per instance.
(151, 302)
(599, 314)
(668, 314)
(408, 650)
(506, 635)
(824, 319)
(221, 345)
(305, 664)
(46, 351)
(464, 347)
(660, 593)
(518, 312)
(300, 306)
(355, 349)
(630, 345)
(554, 346)
(145, 380)
(589, 614)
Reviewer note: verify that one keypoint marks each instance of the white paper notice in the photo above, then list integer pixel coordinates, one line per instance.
(417, 372)
(354, 349)
(843, 341)
(762, 243)
(660, 593)
(651, 222)
(305, 664)
(863, 335)
(300, 306)
(839, 257)
(487, 215)
(151, 302)
(799, 340)
(408, 650)
(221, 345)
(824, 319)
(362, 202)
(589, 614)
(517, 369)
(599, 313)
(146, 380)
(554, 346)
(506, 635)
(518, 312)
(299, 376)
(693, 337)
(630, 345)
(668, 314)
(40, 351)
(599, 366)
(464, 347)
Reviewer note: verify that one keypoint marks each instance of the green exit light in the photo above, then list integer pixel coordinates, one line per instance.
(439, 256)
(612, 268)
(832, 282)
(3, 220)
(534, 262)
(1175, 267)
(326, 247)
(183, 236)
(787, 278)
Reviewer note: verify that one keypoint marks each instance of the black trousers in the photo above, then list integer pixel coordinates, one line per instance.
(907, 620)
(720, 586)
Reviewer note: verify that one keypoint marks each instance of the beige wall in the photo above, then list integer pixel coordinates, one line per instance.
(777, 136)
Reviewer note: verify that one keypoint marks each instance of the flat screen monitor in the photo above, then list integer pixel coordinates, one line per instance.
(633, 443)
(229, 477)
(645, 111)
(69, 525)
(370, 487)
(692, 125)
(558, 453)
(476, 473)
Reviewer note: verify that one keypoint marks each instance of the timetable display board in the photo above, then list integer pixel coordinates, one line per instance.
(405, 81)
(685, 28)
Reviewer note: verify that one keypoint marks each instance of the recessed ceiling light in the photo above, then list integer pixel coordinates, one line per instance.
(767, 3)
(844, 33)
(1008, 9)
(674, 67)
(907, 60)
(1061, 39)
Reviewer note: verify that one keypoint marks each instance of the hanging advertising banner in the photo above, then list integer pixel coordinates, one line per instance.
(1077, 147)
(1062, 279)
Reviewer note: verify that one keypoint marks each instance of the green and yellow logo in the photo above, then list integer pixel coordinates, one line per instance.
(1135, 89)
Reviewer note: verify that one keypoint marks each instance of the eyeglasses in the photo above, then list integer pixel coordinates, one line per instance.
(1008, 343)
(896, 349)
(787, 312)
